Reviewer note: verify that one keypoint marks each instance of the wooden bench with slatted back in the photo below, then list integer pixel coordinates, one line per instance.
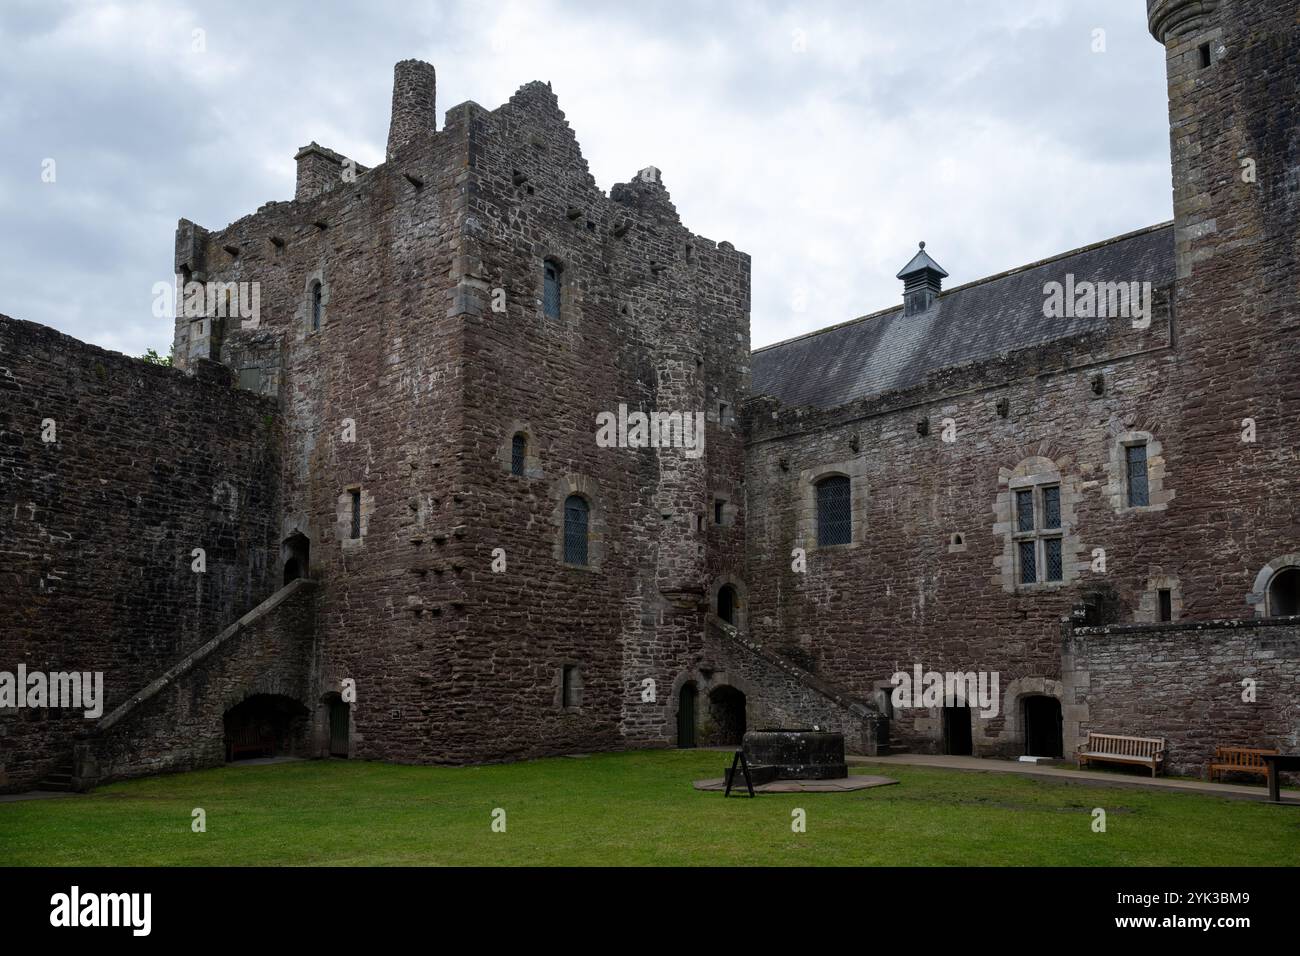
(1239, 760)
(1118, 748)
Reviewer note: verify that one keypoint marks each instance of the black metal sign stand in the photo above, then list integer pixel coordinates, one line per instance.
(739, 758)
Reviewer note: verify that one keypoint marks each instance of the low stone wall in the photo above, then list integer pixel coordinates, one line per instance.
(176, 722)
(780, 694)
(1184, 681)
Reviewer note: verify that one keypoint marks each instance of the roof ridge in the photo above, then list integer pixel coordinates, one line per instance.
(976, 282)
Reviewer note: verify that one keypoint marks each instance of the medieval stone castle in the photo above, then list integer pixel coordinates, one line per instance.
(374, 520)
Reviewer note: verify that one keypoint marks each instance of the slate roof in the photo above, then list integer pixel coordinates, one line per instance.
(888, 350)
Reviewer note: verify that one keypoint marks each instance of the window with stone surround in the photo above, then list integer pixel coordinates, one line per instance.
(313, 307)
(1038, 534)
(570, 687)
(551, 289)
(832, 505)
(1161, 601)
(576, 515)
(1136, 472)
(1035, 514)
(1137, 489)
(834, 512)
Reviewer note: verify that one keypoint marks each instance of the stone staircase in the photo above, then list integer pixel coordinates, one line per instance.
(267, 650)
(59, 778)
(786, 694)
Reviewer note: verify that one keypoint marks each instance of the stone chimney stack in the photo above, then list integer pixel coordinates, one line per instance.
(319, 170)
(414, 103)
(922, 282)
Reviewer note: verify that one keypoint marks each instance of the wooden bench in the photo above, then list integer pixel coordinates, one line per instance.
(1117, 748)
(1239, 760)
(249, 739)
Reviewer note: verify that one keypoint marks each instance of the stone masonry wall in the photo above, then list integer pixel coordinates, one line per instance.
(98, 526)
(779, 694)
(370, 398)
(903, 592)
(1218, 365)
(1183, 682)
(178, 725)
(652, 317)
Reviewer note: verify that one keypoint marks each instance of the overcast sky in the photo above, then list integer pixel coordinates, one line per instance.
(824, 139)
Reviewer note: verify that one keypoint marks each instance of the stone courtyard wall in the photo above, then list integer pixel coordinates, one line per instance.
(1183, 682)
(97, 527)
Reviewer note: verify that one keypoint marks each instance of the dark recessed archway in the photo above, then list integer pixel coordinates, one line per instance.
(687, 699)
(264, 725)
(1043, 736)
(726, 716)
(296, 552)
(1284, 592)
(727, 603)
(957, 731)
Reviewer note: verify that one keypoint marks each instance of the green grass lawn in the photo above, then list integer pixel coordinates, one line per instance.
(629, 808)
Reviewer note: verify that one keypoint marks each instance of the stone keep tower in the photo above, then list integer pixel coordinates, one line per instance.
(1234, 84)
(1232, 68)
(440, 334)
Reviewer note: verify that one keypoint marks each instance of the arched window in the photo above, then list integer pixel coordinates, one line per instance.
(551, 289)
(834, 516)
(315, 306)
(576, 519)
(1284, 592)
(727, 603)
(518, 451)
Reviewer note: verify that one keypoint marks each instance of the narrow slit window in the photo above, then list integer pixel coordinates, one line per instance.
(1204, 53)
(570, 688)
(356, 513)
(1166, 604)
(1135, 458)
(577, 515)
(719, 510)
(518, 452)
(315, 306)
(551, 290)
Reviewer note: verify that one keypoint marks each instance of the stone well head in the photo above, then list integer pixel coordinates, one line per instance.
(797, 754)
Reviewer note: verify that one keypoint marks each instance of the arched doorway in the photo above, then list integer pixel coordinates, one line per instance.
(727, 603)
(726, 716)
(340, 713)
(1284, 592)
(956, 732)
(264, 725)
(686, 700)
(296, 552)
(1043, 736)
